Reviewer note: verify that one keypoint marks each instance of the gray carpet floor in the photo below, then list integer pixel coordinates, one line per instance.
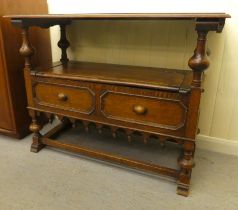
(55, 180)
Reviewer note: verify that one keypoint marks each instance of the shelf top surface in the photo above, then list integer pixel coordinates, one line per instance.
(123, 16)
(148, 77)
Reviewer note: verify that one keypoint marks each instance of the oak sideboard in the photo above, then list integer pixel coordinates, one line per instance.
(157, 105)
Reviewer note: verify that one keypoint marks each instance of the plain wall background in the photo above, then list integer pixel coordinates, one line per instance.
(164, 44)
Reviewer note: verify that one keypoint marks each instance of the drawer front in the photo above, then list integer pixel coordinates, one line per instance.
(77, 99)
(146, 110)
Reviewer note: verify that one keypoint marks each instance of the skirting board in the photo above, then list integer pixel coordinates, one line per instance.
(229, 147)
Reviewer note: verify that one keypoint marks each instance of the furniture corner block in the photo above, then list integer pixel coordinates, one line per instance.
(210, 24)
(38, 22)
(36, 147)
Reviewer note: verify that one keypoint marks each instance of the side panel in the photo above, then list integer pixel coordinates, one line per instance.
(5, 106)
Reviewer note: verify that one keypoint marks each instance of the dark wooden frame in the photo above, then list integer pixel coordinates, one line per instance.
(204, 22)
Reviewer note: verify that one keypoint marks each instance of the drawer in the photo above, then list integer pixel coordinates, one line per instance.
(77, 99)
(146, 110)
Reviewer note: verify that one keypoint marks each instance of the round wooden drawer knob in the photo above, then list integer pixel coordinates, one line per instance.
(62, 97)
(141, 110)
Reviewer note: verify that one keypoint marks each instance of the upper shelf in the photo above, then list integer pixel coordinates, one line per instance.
(133, 16)
(204, 21)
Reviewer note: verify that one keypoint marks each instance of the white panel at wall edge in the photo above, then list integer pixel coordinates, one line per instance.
(225, 146)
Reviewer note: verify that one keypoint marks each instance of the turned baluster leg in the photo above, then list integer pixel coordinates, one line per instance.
(198, 63)
(63, 44)
(35, 127)
(27, 51)
(186, 162)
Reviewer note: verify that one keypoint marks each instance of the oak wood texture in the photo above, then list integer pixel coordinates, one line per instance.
(143, 109)
(148, 97)
(106, 142)
(14, 118)
(148, 77)
(153, 102)
(62, 97)
(129, 16)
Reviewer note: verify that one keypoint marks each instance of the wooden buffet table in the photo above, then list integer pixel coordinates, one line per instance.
(156, 104)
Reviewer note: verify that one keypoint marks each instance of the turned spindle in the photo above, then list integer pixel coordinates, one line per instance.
(199, 62)
(114, 132)
(162, 140)
(26, 49)
(99, 128)
(50, 117)
(73, 122)
(145, 138)
(129, 136)
(86, 126)
(63, 44)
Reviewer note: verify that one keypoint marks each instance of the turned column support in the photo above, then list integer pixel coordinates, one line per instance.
(63, 44)
(186, 163)
(35, 128)
(26, 49)
(199, 62)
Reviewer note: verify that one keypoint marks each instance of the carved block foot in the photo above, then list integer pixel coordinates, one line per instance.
(36, 147)
(183, 189)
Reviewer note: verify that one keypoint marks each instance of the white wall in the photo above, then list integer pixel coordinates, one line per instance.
(165, 44)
